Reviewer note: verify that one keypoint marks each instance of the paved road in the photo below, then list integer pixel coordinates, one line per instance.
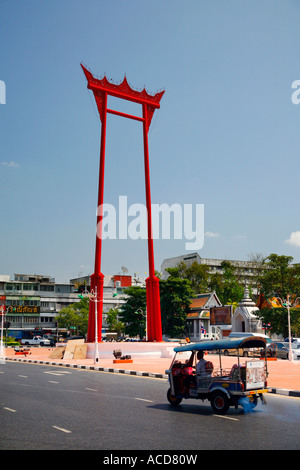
(46, 407)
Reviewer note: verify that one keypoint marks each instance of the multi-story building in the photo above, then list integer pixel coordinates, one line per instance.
(33, 301)
(245, 269)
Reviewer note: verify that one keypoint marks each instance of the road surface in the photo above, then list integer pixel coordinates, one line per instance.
(46, 407)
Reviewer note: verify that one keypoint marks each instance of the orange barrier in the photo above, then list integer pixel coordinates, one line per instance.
(118, 361)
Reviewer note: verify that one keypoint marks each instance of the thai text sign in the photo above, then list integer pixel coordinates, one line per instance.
(23, 309)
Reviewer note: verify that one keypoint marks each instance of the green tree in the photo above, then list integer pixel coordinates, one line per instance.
(198, 275)
(133, 312)
(258, 261)
(177, 271)
(229, 288)
(228, 285)
(75, 316)
(295, 280)
(276, 278)
(114, 324)
(175, 294)
(278, 319)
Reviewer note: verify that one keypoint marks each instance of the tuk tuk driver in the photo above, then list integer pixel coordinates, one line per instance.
(201, 371)
(201, 365)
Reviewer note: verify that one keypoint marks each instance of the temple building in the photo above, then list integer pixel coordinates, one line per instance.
(245, 317)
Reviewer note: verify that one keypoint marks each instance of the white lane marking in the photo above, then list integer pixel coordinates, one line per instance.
(143, 399)
(24, 376)
(52, 382)
(9, 409)
(91, 389)
(62, 429)
(59, 373)
(226, 417)
(53, 373)
(64, 372)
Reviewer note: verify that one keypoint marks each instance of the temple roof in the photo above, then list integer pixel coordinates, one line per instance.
(246, 300)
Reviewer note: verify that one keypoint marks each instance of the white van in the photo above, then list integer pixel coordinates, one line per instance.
(295, 342)
(245, 352)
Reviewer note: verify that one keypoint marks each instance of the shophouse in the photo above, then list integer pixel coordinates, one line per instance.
(33, 301)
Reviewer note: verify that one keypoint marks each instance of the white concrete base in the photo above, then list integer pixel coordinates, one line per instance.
(135, 349)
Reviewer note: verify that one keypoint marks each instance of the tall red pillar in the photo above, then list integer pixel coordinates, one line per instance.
(154, 331)
(101, 89)
(97, 279)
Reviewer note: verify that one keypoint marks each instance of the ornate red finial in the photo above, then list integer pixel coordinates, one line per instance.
(124, 91)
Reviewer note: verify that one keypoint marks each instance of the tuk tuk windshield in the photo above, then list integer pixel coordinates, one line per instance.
(183, 358)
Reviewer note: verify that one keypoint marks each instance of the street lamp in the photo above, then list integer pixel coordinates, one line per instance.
(2, 313)
(92, 295)
(288, 304)
(95, 299)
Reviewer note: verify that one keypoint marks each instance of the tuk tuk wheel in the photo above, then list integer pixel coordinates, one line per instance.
(219, 402)
(172, 399)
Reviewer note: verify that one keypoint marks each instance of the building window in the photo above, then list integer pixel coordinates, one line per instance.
(30, 287)
(47, 288)
(48, 304)
(14, 286)
(30, 319)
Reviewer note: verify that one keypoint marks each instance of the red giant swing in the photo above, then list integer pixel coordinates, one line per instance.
(101, 89)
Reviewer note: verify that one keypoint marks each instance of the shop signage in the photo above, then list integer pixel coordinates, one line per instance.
(23, 309)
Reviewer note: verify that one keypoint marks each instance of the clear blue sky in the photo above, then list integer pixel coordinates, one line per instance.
(226, 136)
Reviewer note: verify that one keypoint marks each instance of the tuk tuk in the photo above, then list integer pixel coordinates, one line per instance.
(222, 387)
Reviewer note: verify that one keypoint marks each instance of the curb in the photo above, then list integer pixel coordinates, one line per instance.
(277, 391)
(284, 391)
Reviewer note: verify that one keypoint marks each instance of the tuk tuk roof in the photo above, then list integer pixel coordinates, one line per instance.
(229, 343)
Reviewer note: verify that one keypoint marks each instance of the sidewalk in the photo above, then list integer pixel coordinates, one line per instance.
(284, 376)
